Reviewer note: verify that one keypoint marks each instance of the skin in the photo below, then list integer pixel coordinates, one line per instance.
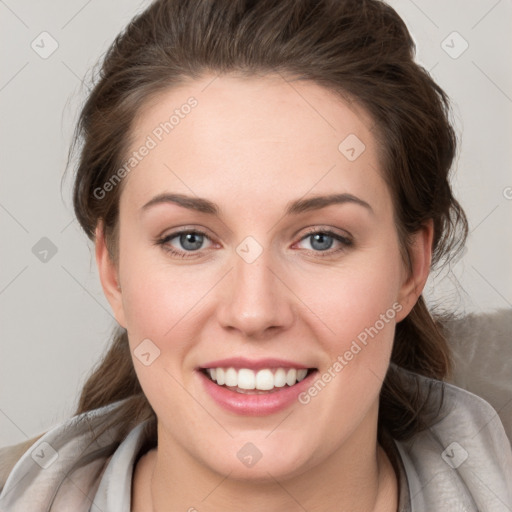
(253, 146)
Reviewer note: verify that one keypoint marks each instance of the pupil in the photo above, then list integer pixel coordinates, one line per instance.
(194, 239)
(321, 237)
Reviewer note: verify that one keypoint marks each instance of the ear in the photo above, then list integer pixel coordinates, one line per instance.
(109, 277)
(416, 276)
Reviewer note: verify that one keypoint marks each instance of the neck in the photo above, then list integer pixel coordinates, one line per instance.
(357, 477)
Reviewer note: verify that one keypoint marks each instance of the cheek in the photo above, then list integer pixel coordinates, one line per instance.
(354, 298)
(155, 295)
(160, 312)
(360, 313)
(160, 305)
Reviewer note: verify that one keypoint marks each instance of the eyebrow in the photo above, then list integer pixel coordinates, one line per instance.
(293, 208)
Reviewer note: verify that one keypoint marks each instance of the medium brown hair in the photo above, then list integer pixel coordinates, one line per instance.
(361, 50)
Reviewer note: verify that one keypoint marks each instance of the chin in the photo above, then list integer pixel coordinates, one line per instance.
(260, 461)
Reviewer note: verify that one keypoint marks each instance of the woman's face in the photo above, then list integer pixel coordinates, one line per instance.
(259, 292)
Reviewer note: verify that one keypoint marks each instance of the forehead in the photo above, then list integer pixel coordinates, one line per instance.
(251, 136)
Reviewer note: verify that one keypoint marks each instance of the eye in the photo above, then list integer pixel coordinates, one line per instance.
(183, 243)
(189, 243)
(321, 241)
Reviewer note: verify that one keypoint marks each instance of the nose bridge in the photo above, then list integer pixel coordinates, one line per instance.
(255, 299)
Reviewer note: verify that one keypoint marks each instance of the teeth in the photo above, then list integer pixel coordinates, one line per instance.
(301, 374)
(262, 380)
(230, 377)
(246, 379)
(280, 378)
(291, 377)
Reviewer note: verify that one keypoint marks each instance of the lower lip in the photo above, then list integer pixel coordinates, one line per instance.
(255, 404)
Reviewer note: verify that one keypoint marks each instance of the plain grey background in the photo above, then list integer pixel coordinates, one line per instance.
(55, 321)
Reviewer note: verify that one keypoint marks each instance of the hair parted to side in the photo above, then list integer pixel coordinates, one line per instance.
(361, 50)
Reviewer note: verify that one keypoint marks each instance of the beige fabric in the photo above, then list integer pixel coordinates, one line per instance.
(482, 355)
(10, 455)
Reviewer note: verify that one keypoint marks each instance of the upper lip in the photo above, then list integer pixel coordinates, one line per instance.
(253, 364)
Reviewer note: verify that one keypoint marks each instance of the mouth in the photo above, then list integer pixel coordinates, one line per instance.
(256, 382)
(255, 387)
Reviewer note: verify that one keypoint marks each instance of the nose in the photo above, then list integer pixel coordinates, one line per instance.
(255, 299)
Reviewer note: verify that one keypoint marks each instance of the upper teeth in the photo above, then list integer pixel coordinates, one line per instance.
(263, 380)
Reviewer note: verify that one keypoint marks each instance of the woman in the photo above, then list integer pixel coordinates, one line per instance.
(267, 187)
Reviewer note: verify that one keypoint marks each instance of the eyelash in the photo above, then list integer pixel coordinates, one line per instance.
(346, 242)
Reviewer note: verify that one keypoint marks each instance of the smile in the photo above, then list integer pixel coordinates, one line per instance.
(250, 387)
(245, 380)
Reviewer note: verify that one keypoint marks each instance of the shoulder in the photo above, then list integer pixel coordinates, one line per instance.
(33, 473)
(10, 455)
(464, 458)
